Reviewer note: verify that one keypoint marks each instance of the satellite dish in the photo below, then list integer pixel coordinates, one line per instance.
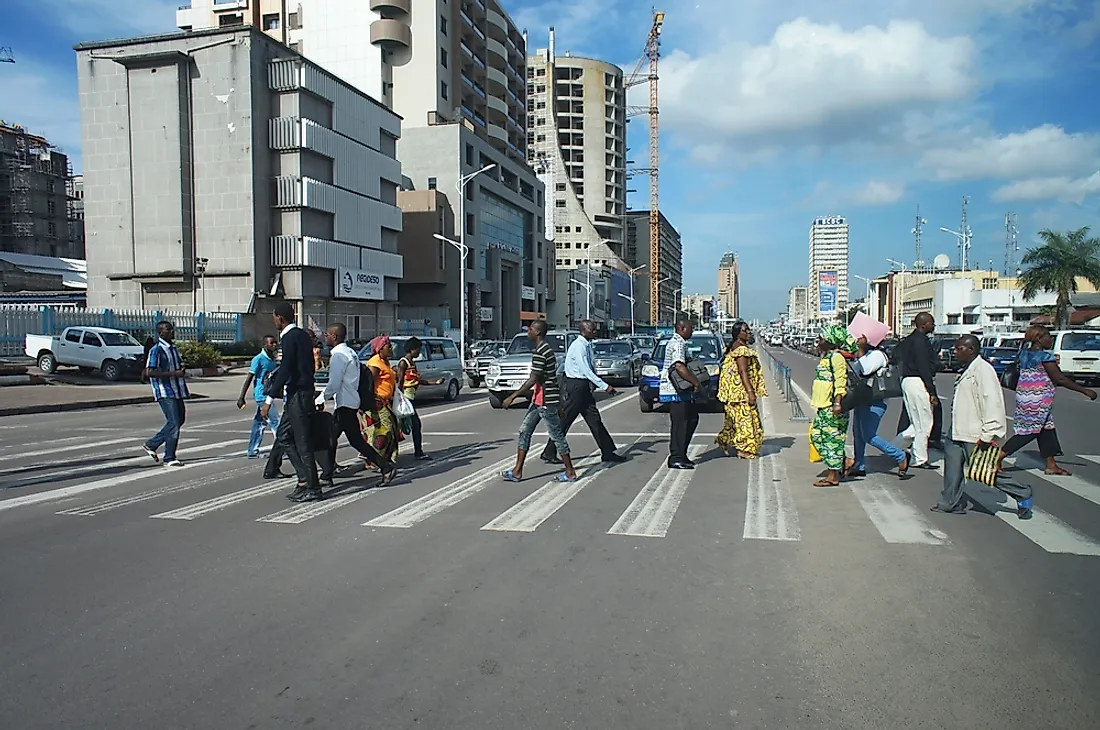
(942, 261)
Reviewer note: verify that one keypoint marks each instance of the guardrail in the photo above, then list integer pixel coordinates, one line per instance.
(782, 375)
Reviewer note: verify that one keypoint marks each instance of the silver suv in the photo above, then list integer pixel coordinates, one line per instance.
(512, 369)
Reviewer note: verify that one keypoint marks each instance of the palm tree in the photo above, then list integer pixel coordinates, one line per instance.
(1055, 266)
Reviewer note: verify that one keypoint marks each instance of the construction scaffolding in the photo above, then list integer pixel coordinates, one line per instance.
(34, 194)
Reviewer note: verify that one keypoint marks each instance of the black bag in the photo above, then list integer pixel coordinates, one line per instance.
(268, 379)
(1010, 378)
(322, 432)
(698, 368)
(886, 383)
(367, 397)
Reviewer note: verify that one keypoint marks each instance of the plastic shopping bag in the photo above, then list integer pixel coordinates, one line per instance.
(402, 406)
(815, 458)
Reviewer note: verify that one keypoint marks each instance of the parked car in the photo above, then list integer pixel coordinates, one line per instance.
(477, 367)
(1078, 353)
(618, 361)
(705, 346)
(944, 349)
(1000, 357)
(438, 359)
(113, 352)
(644, 343)
(511, 370)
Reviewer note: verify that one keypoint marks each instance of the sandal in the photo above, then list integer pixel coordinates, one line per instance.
(903, 471)
(508, 476)
(1058, 472)
(563, 477)
(826, 483)
(388, 477)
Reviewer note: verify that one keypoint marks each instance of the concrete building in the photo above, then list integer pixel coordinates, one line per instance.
(797, 306)
(828, 253)
(570, 100)
(729, 285)
(75, 193)
(34, 204)
(668, 267)
(222, 167)
(702, 305)
(510, 263)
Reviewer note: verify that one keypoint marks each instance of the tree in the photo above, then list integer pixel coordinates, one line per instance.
(1055, 266)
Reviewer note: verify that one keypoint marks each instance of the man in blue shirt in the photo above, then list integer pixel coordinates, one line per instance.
(262, 365)
(166, 374)
(580, 379)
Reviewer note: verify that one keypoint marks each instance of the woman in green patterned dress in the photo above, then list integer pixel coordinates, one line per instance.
(830, 427)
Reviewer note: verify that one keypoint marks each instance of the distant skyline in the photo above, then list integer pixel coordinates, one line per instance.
(771, 115)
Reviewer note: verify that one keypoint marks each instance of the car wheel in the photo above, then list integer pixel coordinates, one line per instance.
(645, 406)
(452, 390)
(111, 370)
(47, 363)
(474, 382)
(495, 400)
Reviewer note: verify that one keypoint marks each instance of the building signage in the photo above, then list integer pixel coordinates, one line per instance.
(528, 292)
(826, 291)
(485, 314)
(501, 246)
(834, 221)
(359, 284)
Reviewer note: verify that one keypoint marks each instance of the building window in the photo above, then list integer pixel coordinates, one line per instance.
(431, 183)
(271, 21)
(442, 25)
(227, 20)
(293, 21)
(469, 224)
(443, 57)
(296, 47)
(469, 154)
(559, 203)
(443, 89)
(470, 192)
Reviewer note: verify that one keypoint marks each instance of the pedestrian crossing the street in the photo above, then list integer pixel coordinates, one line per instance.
(771, 506)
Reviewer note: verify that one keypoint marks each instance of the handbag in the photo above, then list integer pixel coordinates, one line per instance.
(1010, 378)
(698, 368)
(886, 383)
(982, 465)
(859, 389)
(402, 406)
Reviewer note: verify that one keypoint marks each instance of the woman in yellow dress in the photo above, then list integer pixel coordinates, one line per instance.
(740, 384)
(383, 432)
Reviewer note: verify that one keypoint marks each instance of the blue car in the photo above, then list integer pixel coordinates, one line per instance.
(705, 346)
(1000, 357)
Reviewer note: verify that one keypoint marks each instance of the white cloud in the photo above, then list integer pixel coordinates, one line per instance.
(98, 19)
(1045, 151)
(813, 82)
(1066, 189)
(877, 192)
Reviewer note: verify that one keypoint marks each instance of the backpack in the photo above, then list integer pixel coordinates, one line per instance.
(366, 388)
(268, 379)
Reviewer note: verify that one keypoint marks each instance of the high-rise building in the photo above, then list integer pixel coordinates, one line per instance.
(34, 203)
(828, 284)
(797, 310)
(669, 265)
(223, 171)
(570, 100)
(729, 285)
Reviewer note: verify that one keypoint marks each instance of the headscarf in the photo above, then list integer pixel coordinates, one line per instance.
(378, 344)
(838, 335)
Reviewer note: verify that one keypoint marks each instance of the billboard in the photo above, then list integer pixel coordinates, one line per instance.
(826, 291)
(620, 305)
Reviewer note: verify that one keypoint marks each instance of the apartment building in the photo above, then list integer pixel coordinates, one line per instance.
(828, 269)
(223, 155)
(668, 267)
(577, 128)
(797, 306)
(34, 201)
(729, 285)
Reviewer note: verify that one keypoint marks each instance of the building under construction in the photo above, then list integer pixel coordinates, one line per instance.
(36, 204)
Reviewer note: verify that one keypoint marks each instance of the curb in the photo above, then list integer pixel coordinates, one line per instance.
(21, 380)
(82, 405)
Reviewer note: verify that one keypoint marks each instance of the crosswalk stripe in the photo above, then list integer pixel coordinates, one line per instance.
(770, 512)
(652, 511)
(1093, 459)
(894, 516)
(299, 513)
(215, 504)
(53, 474)
(77, 489)
(537, 507)
(433, 503)
(53, 450)
(1072, 484)
(107, 505)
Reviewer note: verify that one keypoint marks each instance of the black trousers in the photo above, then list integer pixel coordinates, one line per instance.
(937, 422)
(580, 401)
(1048, 443)
(292, 438)
(684, 416)
(417, 434)
(347, 424)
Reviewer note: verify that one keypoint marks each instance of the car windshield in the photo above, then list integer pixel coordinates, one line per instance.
(522, 344)
(700, 348)
(398, 351)
(118, 339)
(612, 348)
(1081, 341)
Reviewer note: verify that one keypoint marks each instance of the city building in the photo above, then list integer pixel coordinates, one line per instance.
(570, 99)
(798, 306)
(75, 194)
(34, 202)
(729, 286)
(668, 267)
(828, 271)
(224, 172)
(700, 306)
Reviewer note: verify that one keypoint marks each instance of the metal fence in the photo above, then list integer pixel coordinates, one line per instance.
(782, 375)
(16, 322)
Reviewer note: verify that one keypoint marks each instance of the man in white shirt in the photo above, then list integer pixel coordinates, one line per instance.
(977, 422)
(343, 386)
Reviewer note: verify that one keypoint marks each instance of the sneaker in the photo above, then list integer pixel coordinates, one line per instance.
(173, 462)
(1023, 509)
(151, 452)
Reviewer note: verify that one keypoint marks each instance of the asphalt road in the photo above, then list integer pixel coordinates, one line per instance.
(734, 596)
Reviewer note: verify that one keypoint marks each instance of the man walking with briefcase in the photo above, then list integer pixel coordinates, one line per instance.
(683, 411)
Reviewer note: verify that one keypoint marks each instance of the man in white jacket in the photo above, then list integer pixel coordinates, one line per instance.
(977, 422)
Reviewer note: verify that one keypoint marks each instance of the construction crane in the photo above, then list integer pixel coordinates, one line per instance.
(650, 55)
(6, 55)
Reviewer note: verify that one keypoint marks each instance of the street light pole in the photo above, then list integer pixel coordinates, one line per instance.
(631, 297)
(463, 250)
(901, 293)
(587, 293)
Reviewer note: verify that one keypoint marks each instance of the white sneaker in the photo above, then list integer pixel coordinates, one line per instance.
(151, 452)
(173, 462)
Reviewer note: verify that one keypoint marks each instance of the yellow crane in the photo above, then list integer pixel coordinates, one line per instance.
(650, 55)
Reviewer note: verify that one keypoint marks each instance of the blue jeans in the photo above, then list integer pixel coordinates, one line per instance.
(175, 413)
(258, 426)
(553, 425)
(865, 431)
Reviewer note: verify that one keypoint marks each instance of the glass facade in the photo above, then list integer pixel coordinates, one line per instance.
(503, 226)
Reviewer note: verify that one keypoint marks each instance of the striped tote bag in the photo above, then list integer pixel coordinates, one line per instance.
(981, 467)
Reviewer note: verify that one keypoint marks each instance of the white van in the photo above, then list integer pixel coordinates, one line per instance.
(1015, 340)
(1078, 353)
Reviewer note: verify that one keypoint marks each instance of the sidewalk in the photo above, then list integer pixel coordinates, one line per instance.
(57, 397)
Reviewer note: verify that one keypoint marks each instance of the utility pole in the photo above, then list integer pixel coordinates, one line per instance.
(964, 238)
(1012, 243)
(917, 229)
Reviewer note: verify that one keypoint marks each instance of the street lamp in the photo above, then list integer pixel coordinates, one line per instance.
(464, 250)
(675, 306)
(633, 312)
(901, 294)
(964, 244)
(587, 296)
(200, 270)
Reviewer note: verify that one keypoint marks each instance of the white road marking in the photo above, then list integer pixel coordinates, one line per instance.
(54, 450)
(112, 504)
(537, 507)
(54, 472)
(216, 504)
(299, 513)
(652, 511)
(894, 516)
(1072, 484)
(1093, 459)
(770, 512)
(65, 492)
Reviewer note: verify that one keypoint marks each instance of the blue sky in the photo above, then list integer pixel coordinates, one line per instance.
(773, 114)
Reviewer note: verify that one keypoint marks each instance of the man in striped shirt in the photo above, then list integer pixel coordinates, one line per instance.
(166, 374)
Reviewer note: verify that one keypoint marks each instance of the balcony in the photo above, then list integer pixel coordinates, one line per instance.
(391, 35)
(498, 82)
(498, 26)
(392, 8)
(471, 25)
(474, 86)
(220, 5)
(497, 135)
(498, 55)
(499, 107)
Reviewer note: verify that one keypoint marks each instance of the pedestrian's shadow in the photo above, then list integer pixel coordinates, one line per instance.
(358, 478)
(775, 445)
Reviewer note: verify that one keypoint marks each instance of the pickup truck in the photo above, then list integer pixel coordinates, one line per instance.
(113, 352)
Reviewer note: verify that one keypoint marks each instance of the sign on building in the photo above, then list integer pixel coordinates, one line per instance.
(359, 284)
(527, 292)
(826, 291)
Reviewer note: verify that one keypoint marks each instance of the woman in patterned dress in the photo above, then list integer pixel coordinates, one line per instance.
(1039, 376)
(741, 383)
(384, 433)
(830, 427)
